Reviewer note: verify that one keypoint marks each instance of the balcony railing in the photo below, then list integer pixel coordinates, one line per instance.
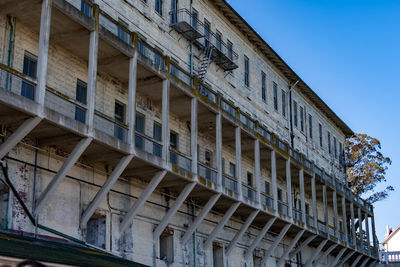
(297, 215)
(389, 257)
(186, 23)
(109, 126)
(342, 237)
(180, 160)
(310, 220)
(307, 163)
(283, 208)
(17, 83)
(331, 231)
(207, 172)
(116, 28)
(86, 8)
(322, 228)
(281, 145)
(150, 55)
(181, 75)
(266, 200)
(264, 133)
(208, 93)
(247, 122)
(148, 144)
(229, 109)
(229, 182)
(65, 105)
(295, 155)
(248, 192)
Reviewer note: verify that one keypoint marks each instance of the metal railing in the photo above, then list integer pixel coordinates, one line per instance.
(322, 227)
(181, 75)
(248, 192)
(186, 23)
(183, 162)
(116, 28)
(297, 214)
(229, 109)
(148, 144)
(266, 200)
(150, 55)
(246, 121)
(109, 126)
(207, 172)
(281, 145)
(283, 208)
(264, 133)
(295, 155)
(207, 93)
(310, 220)
(65, 105)
(229, 182)
(17, 83)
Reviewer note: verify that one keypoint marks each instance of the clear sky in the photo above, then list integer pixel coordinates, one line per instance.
(348, 52)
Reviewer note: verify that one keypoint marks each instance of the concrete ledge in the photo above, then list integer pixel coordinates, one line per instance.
(18, 102)
(74, 14)
(115, 42)
(111, 141)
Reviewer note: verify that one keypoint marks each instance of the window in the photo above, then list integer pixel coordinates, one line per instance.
(29, 69)
(119, 116)
(218, 255)
(320, 134)
(207, 157)
(279, 194)
(334, 147)
(218, 41)
(122, 33)
(232, 169)
(275, 90)
(329, 143)
(223, 165)
(157, 136)
(230, 50)
(341, 152)
(80, 96)
(267, 187)
(283, 103)
(139, 127)
(159, 6)
(96, 231)
(310, 125)
(167, 246)
(246, 71)
(302, 119)
(86, 9)
(173, 143)
(295, 113)
(263, 88)
(194, 19)
(250, 184)
(307, 209)
(174, 11)
(207, 31)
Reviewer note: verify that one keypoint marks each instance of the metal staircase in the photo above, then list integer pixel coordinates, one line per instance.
(205, 59)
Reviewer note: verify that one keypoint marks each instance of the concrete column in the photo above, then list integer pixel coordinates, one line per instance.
(218, 129)
(353, 226)
(314, 201)
(302, 195)
(132, 99)
(44, 36)
(274, 184)
(325, 207)
(257, 169)
(289, 188)
(373, 231)
(344, 218)
(193, 134)
(367, 231)
(335, 212)
(165, 119)
(360, 228)
(238, 146)
(92, 70)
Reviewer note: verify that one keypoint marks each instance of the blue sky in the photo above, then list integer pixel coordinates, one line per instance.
(348, 52)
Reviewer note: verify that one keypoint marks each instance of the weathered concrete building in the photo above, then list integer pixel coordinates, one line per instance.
(169, 133)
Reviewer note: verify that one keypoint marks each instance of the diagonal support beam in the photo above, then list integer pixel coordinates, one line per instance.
(278, 239)
(173, 210)
(221, 225)
(326, 253)
(141, 200)
(116, 173)
(346, 258)
(59, 177)
(338, 257)
(18, 135)
(210, 203)
(242, 230)
(302, 245)
(291, 246)
(365, 262)
(355, 262)
(260, 236)
(316, 253)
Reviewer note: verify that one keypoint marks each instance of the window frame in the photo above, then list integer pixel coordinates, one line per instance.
(275, 96)
(246, 71)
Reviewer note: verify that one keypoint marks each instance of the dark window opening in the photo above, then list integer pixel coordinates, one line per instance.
(29, 69)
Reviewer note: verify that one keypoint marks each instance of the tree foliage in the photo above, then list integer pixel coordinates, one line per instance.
(366, 166)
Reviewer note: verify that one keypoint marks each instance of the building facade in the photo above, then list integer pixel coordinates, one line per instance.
(169, 133)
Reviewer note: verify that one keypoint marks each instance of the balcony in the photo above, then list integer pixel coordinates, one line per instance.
(207, 172)
(248, 123)
(229, 183)
(266, 200)
(186, 23)
(17, 83)
(310, 220)
(248, 192)
(180, 161)
(110, 126)
(322, 228)
(283, 208)
(148, 144)
(297, 215)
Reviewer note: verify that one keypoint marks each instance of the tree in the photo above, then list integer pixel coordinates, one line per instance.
(366, 166)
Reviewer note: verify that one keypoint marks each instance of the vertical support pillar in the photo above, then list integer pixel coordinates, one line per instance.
(367, 231)
(302, 195)
(92, 69)
(218, 129)
(314, 201)
(360, 229)
(344, 218)
(44, 36)
(132, 99)
(325, 208)
(193, 134)
(274, 184)
(238, 146)
(257, 170)
(373, 230)
(165, 119)
(289, 188)
(353, 226)
(335, 212)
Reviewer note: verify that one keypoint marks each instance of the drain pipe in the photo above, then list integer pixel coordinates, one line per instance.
(291, 134)
(11, 21)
